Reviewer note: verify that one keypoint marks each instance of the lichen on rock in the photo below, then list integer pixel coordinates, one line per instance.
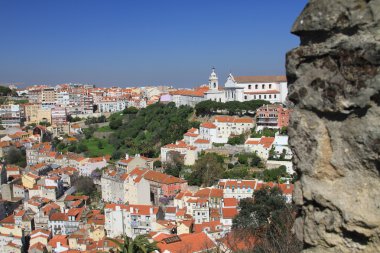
(334, 83)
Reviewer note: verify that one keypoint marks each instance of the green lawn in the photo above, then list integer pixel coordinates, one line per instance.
(94, 150)
(104, 129)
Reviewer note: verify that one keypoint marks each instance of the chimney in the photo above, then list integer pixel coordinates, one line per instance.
(126, 156)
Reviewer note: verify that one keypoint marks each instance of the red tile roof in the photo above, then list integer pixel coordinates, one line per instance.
(260, 79)
(208, 125)
(188, 243)
(201, 141)
(229, 213)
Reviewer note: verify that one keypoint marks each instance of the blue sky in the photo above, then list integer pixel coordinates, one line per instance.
(126, 43)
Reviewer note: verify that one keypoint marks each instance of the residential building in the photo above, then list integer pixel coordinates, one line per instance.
(131, 220)
(272, 116)
(188, 153)
(260, 146)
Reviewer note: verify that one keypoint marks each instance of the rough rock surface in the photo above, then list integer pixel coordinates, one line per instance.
(334, 82)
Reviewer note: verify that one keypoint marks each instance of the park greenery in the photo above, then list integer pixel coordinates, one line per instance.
(237, 139)
(16, 156)
(209, 107)
(5, 91)
(149, 129)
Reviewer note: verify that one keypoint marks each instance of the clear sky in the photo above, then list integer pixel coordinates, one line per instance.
(157, 42)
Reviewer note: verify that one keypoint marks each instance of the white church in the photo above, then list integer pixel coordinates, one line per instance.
(244, 88)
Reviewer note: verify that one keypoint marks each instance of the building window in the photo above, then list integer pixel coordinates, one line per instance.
(259, 96)
(270, 86)
(256, 86)
(274, 96)
(245, 97)
(265, 96)
(270, 96)
(249, 87)
(263, 86)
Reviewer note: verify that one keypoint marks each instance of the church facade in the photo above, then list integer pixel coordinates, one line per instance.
(273, 89)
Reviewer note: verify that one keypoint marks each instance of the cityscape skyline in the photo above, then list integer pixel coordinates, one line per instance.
(140, 44)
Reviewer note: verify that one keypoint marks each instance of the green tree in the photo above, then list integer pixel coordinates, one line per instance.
(269, 218)
(236, 140)
(207, 170)
(85, 186)
(100, 144)
(140, 244)
(255, 212)
(116, 123)
(130, 110)
(16, 156)
(273, 175)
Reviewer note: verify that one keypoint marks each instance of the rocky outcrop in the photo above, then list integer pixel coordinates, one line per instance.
(334, 83)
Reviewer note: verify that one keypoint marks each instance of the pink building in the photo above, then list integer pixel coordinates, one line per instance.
(272, 116)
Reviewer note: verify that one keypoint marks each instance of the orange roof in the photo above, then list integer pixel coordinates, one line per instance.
(191, 134)
(243, 120)
(266, 141)
(96, 159)
(8, 220)
(229, 213)
(198, 92)
(207, 125)
(162, 178)
(58, 217)
(182, 194)
(196, 242)
(262, 92)
(252, 142)
(201, 141)
(213, 226)
(260, 79)
(62, 239)
(170, 209)
(224, 119)
(228, 202)
(192, 130)
(209, 193)
(12, 168)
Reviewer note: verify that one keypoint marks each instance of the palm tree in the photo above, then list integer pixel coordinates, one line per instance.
(140, 244)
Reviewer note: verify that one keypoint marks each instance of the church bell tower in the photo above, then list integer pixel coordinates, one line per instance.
(213, 80)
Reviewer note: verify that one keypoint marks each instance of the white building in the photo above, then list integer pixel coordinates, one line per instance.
(86, 168)
(109, 104)
(130, 220)
(199, 209)
(189, 153)
(245, 88)
(238, 189)
(260, 146)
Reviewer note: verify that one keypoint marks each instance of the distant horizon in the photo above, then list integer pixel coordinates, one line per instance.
(143, 44)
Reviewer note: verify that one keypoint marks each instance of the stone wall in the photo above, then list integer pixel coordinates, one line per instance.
(334, 83)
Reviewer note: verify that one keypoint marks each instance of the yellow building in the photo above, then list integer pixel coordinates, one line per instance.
(35, 114)
(29, 180)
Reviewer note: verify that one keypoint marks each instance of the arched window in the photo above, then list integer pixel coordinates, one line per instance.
(249, 87)
(270, 86)
(256, 86)
(263, 86)
(214, 85)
